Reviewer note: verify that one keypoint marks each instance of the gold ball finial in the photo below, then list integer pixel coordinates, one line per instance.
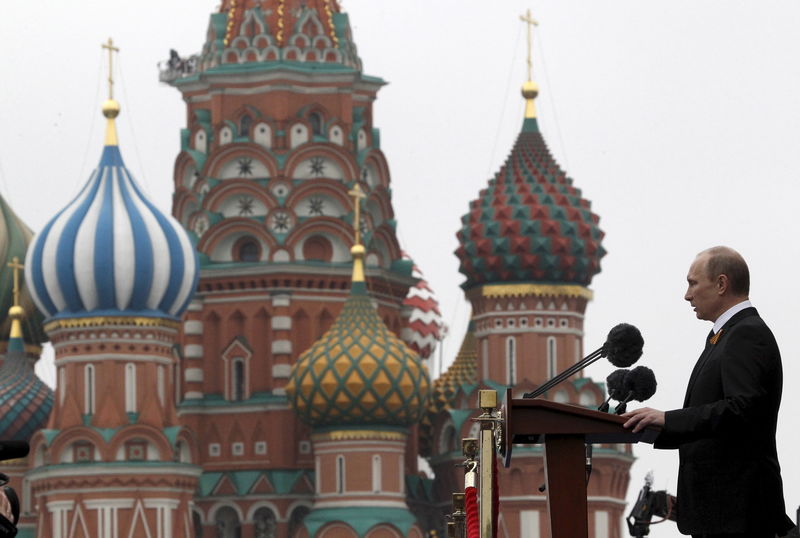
(111, 108)
(16, 312)
(530, 90)
(358, 250)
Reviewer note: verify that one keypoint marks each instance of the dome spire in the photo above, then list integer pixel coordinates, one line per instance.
(16, 312)
(111, 107)
(358, 249)
(530, 89)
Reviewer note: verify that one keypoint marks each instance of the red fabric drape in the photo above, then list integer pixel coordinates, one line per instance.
(471, 507)
(495, 494)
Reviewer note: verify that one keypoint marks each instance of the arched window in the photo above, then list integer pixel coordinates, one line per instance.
(88, 396)
(244, 125)
(315, 119)
(340, 474)
(264, 523)
(296, 520)
(130, 388)
(197, 522)
(485, 357)
(226, 522)
(237, 385)
(551, 357)
(511, 359)
(248, 250)
(376, 473)
(160, 383)
(62, 384)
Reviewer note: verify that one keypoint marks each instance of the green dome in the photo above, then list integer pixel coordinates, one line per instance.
(359, 373)
(14, 239)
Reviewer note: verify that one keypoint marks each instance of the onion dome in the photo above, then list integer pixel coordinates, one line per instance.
(358, 373)
(14, 239)
(461, 375)
(424, 328)
(530, 224)
(111, 252)
(25, 399)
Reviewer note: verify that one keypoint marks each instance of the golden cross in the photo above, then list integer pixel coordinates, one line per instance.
(111, 50)
(17, 267)
(531, 22)
(357, 195)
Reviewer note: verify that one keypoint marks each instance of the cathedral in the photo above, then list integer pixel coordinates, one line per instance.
(255, 364)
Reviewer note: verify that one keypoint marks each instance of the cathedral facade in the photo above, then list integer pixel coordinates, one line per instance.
(254, 364)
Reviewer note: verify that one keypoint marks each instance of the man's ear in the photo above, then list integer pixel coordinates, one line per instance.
(722, 284)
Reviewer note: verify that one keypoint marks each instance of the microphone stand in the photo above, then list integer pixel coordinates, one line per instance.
(578, 366)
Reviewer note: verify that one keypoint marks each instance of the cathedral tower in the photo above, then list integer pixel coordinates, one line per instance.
(529, 247)
(112, 275)
(360, 388)
(279, 128)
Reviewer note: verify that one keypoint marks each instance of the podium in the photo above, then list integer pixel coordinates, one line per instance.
(564, 430)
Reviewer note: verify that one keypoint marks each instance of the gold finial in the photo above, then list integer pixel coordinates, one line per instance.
(16, 312)
(530, 89)
(17, 267)
(358, 249)
(111, 107)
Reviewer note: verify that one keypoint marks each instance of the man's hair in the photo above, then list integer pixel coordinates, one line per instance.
(728, 262)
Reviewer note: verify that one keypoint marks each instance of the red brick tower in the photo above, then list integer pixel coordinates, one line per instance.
(112, 275)
(279, 127)
(529, 247)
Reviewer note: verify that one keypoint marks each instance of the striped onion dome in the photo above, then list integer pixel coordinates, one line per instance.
(424, 328)
(111, 252)
(25, 399)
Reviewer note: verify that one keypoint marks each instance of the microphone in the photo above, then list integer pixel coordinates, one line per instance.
(623, 347)
(11, 450)
(640, 384)
(615, 383)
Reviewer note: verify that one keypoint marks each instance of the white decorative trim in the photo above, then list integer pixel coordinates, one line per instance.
(193, 375)
(282, 323)
(193, 351)
(281, 347)
(281, 371)
(192, 326)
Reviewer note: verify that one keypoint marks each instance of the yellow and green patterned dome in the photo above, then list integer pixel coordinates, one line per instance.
(359, 373)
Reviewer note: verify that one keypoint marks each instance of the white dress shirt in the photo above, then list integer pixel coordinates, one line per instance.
(729, 313)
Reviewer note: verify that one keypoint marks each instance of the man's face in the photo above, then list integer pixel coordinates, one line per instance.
(703, 293)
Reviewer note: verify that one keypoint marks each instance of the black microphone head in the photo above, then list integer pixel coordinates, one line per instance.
(615, 383)
(11, 450)
(624, 345)
(642, 382)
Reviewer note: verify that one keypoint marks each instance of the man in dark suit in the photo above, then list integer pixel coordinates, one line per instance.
(729, 482)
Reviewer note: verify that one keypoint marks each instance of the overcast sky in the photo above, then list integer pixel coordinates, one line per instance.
(679, 121)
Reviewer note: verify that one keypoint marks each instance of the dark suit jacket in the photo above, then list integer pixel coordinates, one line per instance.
(729, 479)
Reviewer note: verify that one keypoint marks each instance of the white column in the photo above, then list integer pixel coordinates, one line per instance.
(59, 511)
(529, 524)
(601, 524)
(164, 509)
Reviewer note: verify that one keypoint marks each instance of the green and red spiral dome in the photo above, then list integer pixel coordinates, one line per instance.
(530, 224)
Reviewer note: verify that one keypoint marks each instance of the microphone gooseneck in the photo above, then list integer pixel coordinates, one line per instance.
(642, 382)
(615, 383)
(623, 347)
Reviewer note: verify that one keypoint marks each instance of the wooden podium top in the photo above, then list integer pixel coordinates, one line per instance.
(531, 420)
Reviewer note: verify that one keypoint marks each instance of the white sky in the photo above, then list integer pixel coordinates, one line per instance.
(679, 120)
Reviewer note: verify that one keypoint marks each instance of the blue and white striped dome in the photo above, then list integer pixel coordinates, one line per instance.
(111, 252)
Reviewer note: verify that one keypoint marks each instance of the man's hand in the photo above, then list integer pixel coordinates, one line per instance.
(639, 419)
